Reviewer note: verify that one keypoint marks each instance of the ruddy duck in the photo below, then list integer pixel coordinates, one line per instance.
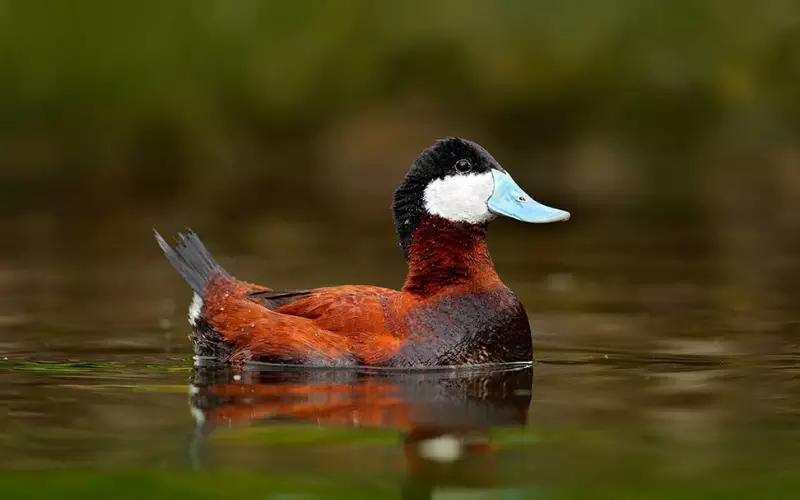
(452, 310)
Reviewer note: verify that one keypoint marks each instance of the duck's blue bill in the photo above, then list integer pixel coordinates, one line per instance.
(510, 200)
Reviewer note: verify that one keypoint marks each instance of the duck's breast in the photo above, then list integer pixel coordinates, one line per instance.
(463, 328)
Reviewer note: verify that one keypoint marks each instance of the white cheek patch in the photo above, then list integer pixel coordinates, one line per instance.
(461, 198)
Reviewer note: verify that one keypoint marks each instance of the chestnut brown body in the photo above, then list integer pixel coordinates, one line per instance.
(452, 310)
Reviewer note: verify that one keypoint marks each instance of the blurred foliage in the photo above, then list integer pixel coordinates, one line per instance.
(104, 101)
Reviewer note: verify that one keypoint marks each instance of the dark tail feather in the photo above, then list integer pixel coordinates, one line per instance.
(191, 259)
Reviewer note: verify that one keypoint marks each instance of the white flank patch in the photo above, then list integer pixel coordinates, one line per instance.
(461, 198)
(194, 309)
(443, 449)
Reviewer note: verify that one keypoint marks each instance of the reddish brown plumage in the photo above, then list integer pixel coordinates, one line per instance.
(363, 325)
(448, 256)
(330, 326)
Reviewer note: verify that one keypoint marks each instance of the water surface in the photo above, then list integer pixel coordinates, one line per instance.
(663, 370)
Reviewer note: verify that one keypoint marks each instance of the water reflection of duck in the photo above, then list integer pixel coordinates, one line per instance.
(452, 310)
(446, 417)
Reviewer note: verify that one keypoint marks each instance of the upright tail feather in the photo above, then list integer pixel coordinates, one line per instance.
(191, 259)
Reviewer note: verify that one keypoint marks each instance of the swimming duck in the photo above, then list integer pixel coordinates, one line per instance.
(453, 308)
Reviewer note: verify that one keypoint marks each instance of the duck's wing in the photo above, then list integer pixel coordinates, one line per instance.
(273, 299)
(326, 326)
(348, 309)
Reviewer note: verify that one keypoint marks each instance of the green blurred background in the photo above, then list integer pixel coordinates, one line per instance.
(279, 131)
(231, 108)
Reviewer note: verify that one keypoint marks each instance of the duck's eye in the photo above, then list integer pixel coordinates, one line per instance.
(463, 165)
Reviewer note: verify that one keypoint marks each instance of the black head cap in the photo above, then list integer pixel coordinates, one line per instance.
(450, 156)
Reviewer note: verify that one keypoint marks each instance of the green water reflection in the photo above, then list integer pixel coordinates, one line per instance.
(616, 428)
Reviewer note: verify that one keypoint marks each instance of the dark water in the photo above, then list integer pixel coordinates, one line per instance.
(667, 366)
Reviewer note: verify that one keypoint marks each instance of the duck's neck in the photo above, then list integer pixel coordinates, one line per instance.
(445, 254)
